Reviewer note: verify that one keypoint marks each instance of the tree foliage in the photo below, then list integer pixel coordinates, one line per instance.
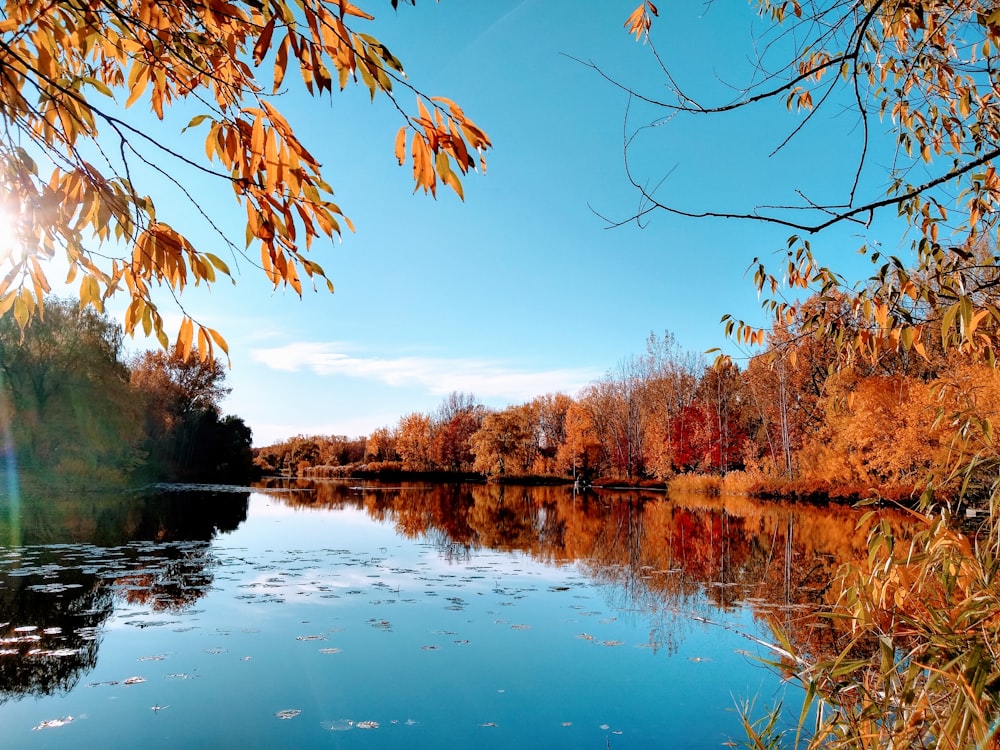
(924, 73)
(186, 436)
(66, 394)
(78, 412)
(920, 668)
(71, 162)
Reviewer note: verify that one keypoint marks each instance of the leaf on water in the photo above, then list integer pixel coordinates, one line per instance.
(338, 725)
(288, 713)
(52, 723)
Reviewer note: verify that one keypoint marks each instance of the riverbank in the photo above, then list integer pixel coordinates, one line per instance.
(735, 482)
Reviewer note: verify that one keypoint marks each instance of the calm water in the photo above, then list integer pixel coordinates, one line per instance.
(339, 615)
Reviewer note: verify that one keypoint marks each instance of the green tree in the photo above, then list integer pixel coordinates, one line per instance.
(73, 415)
(71, 164)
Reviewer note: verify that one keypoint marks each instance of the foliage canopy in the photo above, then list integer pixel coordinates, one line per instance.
(920, 668)
(926, 72)
(69, 159)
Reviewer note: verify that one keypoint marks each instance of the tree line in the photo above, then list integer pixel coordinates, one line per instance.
(787, 422)
(75, 409)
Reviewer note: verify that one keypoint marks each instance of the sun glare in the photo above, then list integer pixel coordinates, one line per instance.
(10, 245)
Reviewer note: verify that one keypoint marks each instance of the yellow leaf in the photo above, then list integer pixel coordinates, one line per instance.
(185, 337)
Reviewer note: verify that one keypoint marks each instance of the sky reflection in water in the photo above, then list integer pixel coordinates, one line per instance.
(378, 619)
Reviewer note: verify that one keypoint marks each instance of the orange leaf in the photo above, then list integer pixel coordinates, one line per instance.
(401, 145)
(263, 42)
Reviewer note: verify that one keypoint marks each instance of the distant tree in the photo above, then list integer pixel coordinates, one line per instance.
(507, 441)
(178, 384)
(616, 408)
(186, 436)
(721, 390)
(551, 410)
(413, 442)
(381, 445)
(455, 403)
(451, 446)
(581, 453)
(670, 378)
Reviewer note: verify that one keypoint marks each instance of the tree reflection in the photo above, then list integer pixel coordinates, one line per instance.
(669, 557)
(83, 554)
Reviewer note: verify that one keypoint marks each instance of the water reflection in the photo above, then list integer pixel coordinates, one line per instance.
(82, 554)
(667, 557)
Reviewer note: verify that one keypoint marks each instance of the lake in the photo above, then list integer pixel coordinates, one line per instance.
(359, 615)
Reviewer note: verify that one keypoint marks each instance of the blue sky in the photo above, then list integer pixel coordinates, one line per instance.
(522, 289)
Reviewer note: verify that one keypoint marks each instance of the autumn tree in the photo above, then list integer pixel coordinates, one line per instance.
(551, 410)
(339, 450)
(878, 430)
(507, 441)
(381, 445)
(926, 73)
(615, 404)
(581, 454)
(72, 162)
(908, 75)
(413, 442)
(455, 422)
(451, 448)
(177, 384)
(670, 377)
(721, 390)
(187, 436)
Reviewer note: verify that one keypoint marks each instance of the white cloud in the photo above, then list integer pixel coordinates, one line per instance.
(485, 378)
